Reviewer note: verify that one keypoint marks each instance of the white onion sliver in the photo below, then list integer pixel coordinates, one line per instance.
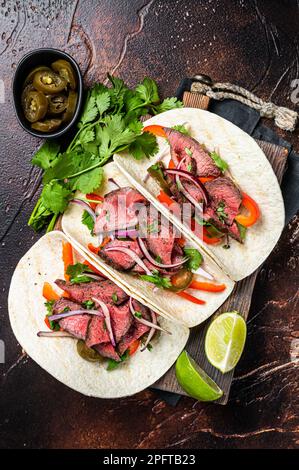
(54, 334)
(151, 332)
(144, 321)
(153, 261)
(132, 254)
(70, 313)
(85, 206)
(107, 318)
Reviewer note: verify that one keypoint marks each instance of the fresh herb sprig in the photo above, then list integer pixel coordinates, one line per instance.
(109, 123)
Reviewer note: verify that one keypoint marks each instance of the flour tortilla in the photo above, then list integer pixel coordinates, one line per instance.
(165, 302)
(59, 356)
(248, 166)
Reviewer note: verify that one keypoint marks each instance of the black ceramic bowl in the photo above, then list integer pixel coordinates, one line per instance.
(44, 56)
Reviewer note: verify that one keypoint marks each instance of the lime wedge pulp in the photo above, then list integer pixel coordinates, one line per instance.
(225, 341)
(194, 380)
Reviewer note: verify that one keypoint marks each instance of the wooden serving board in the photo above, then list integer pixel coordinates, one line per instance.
(239, 300)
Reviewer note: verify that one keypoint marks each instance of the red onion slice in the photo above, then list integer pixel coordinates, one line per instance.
(153, 261)
(70, 313)
(151, 332)
(132, 254)
(54, 334)
(144, 321)
(106, 313)
(85, 206)
(188, 196)
(97, 277)
(127, 232)
(187, 175)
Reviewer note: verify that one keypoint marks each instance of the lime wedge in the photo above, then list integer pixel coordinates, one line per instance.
(225, 341)
(194, 380)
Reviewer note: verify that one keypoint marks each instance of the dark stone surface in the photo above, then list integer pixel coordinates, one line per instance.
(252, 43)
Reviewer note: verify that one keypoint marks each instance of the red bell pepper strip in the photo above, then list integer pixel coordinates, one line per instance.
(191, 298)
(95, 270)
(133, 347)
(158, 131)
(96, 249)
(171, 164)
(253, 212)
(94, 197)
(67, 257)
(205, 179)
(207, 286)
(49, 293)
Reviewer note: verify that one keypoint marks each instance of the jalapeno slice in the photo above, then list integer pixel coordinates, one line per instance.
(87, 353)
(49, 82)
(39, 68)
(65, 70)
(34, 103)
(181, 280)
(48, 125)
(71, 106)
(57, 103)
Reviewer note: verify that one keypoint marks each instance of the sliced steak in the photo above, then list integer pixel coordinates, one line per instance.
(118, 260)
(105, 290)
(232, 230)
(97, 332)
(161, 240)
(121, 320)
(107, 350)
(76, 325)
(137, 329)
(118, 211)
(205, 165)
(223, 192)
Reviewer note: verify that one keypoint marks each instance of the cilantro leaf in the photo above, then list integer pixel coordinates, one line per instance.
(46, 154)
(167, 104)
(112, 364)
(88, 304)
(144, 145)
(195, 258)
(103, 101)
(54, 325)
(55, 197)
(156, 279)
(88, 221)
(222, 165)
(79, 273)
(148, 91)
(242, 230)
(182, 129)
(90, 110)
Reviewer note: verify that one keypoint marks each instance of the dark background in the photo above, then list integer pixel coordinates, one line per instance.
(252, 43)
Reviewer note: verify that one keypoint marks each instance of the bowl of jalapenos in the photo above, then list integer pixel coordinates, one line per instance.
(47, 89)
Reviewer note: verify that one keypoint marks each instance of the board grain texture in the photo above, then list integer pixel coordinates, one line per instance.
(253, 43)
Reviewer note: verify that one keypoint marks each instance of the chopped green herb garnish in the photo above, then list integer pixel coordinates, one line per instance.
(222, 165)
(137, 314)
(182, 129)
(53, 324)
(112, 364)
(188, 151)
(195, 258)
(156, 279)
(88, 304)
(109, 124)
(242, 230)
(88, 221)
(149, 346)
(77, 273)
(222, 215)
(114, 297)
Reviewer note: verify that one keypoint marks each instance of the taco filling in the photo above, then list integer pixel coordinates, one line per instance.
(200, 178)
(135, 238)
(107, 323)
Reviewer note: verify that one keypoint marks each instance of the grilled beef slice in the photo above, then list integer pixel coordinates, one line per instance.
(105, 290)
(223, 191)
(76, 325)
(205, 165)
(118, 211)
(97, 332)
(118, 260)
(160, 238)
(121, 320)
(107, 350)
(137, 329)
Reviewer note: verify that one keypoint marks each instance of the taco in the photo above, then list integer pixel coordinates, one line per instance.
(132, 242)
(212, 166)
(84, 329)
